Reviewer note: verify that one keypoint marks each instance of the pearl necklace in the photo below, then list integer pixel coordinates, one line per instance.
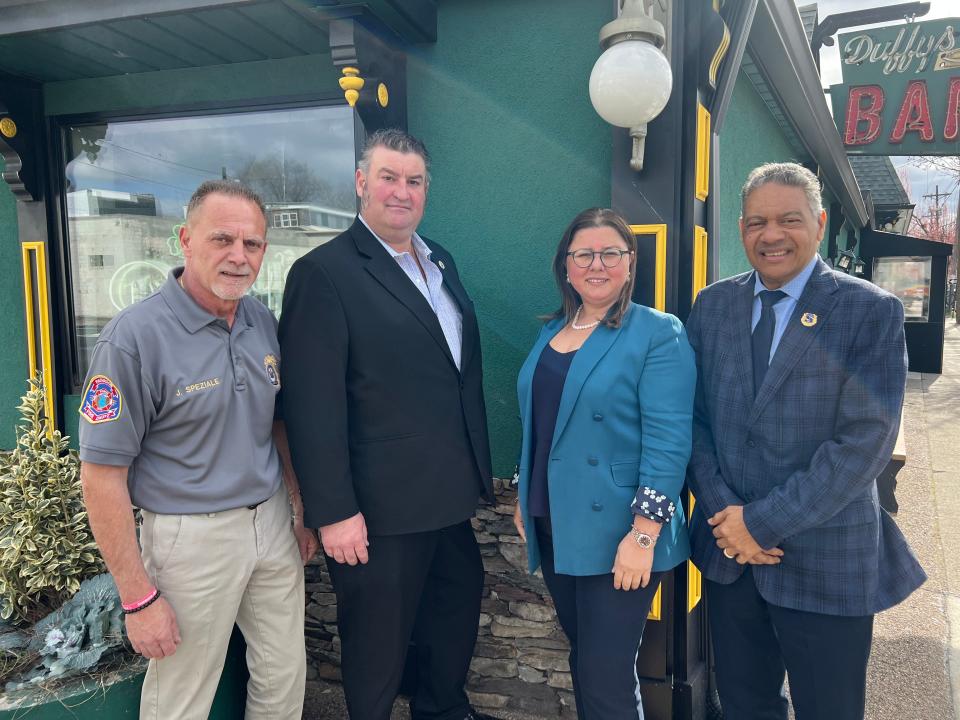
(587, 326)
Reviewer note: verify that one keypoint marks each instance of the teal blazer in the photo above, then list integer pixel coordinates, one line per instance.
(624, 422)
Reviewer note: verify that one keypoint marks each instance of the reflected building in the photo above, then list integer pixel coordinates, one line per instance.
(123, 251)
(307, 218)
(84, 203)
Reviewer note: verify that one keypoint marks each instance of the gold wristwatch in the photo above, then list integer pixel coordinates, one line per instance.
(643, 540)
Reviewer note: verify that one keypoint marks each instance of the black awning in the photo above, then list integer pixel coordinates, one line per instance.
(52, 40)
(874, 243)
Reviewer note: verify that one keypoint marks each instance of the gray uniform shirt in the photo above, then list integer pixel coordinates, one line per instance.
(186, 403)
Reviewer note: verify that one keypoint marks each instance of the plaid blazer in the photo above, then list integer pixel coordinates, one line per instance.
(802, 456)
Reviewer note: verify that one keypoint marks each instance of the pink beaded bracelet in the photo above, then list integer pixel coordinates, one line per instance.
(141, 603)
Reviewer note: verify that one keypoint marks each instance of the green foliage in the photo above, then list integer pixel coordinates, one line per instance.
(46, 546)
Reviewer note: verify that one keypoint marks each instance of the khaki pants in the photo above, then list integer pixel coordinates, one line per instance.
(215, 569)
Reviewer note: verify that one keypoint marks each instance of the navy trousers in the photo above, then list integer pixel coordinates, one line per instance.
(755, 644)
(604, 627)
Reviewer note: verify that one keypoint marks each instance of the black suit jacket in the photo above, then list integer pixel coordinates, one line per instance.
(378, 417)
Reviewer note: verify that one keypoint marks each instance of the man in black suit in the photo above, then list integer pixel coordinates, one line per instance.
(383, 401)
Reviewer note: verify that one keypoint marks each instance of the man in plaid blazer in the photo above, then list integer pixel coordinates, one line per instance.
(801, 379)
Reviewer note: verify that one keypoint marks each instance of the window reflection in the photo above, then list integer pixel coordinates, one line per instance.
(128, 184)
(909, 279)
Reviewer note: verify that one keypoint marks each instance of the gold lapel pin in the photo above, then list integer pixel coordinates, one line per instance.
(441, 265)
(808, 319)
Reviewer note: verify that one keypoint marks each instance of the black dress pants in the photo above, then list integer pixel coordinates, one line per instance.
(422, 586)
(604, 626)
(756, 643)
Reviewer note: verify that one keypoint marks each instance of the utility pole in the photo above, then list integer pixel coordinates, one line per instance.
(937, 209)
(955, 241)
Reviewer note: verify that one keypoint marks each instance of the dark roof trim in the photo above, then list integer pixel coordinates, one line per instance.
(41, 15)
(778, 46)
(876, 174)
(740, 22)
(411, 20)
(876, 243)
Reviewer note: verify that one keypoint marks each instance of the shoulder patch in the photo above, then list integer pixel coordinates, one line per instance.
(102, 401)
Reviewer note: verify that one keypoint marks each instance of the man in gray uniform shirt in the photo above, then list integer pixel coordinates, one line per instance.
(178, 420)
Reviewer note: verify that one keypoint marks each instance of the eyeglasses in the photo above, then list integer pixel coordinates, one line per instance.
(610, 257)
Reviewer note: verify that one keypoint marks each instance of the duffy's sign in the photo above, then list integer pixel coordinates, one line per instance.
(901, 89)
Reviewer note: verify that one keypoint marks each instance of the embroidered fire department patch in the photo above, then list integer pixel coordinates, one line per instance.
(102, 401)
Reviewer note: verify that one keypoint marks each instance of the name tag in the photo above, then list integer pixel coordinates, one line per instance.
(202, 385)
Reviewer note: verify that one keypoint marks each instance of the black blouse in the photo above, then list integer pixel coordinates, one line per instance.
(548, 380)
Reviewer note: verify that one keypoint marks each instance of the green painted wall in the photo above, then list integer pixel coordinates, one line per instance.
(517, 149)
(517, 152)
(828, 198)
(71, 419)
(307, 75)
(750, 137)
(13, 361)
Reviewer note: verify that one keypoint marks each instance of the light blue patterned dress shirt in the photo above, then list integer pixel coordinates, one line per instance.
(440, 300)
(783, 309)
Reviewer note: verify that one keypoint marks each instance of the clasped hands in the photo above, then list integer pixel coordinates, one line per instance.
(736, 541)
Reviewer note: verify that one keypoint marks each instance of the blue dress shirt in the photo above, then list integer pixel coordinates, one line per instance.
(783, 309)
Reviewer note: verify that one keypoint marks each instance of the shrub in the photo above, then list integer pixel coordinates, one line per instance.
(46, 546)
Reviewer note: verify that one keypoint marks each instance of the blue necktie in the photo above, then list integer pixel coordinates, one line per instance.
(763, 335)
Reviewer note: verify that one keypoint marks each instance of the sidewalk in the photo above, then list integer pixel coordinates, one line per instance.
(915, 664)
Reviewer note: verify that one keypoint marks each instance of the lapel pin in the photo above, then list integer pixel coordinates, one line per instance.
(442, 266)
(808, 319)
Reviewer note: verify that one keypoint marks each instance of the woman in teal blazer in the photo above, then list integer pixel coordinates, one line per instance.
(606, 401)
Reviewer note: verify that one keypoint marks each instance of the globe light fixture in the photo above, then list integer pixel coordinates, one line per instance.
(631, 81)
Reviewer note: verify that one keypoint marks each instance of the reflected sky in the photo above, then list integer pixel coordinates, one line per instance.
(169, 158)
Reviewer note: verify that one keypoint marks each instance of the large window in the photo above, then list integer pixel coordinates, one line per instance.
(909, 279)
(128, 183)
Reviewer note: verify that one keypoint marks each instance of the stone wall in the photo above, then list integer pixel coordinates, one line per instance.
(520, 662)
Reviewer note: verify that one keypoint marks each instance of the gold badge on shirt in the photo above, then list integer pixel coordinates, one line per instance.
(272, 366)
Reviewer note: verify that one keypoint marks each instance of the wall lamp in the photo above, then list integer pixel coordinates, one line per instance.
(845, 261)
(631, 81)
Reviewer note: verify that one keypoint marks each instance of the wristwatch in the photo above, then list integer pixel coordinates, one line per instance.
(643, 540)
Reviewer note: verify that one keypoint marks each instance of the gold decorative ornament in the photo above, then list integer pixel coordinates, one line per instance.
(8, 128)
(383, 95)
(808, 319)
(351, 83)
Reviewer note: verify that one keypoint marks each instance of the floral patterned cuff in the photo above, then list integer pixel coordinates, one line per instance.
(653, 505)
